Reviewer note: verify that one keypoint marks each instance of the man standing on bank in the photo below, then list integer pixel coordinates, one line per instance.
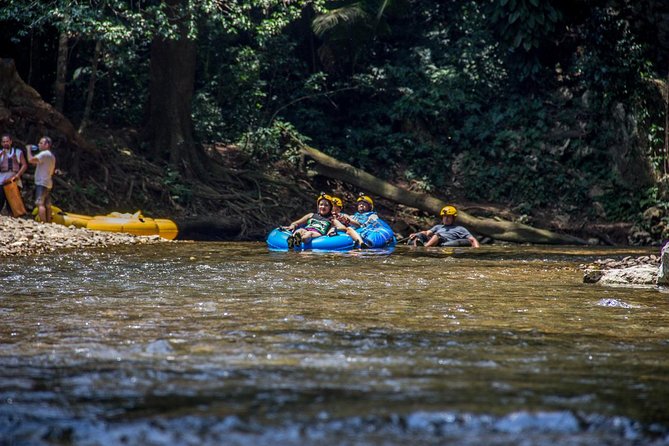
(445, 234)
(45, 163)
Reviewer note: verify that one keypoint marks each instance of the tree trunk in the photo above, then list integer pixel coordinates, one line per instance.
(497, 229)
(171, 90)
(665, 95)
(91, 87)
(170, 125)
(61, 72)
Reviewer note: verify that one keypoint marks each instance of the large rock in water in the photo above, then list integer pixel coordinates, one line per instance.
(663, 274)
(634, 275)
(627, 271)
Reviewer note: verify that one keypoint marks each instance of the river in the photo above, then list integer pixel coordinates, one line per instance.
(227, 343)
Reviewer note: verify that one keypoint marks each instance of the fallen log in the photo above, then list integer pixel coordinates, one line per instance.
(497, 229)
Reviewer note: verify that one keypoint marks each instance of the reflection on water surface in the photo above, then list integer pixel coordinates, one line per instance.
(204, 343)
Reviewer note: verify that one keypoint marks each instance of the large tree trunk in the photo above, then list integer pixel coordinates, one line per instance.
(61, 72)
(171, 90)
(665, 96)
(497, 229)
(170, 125)
(91, 87)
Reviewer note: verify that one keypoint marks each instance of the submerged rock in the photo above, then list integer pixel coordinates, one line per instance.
(614, 303)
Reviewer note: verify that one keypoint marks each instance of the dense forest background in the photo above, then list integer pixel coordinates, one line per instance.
(526, 108)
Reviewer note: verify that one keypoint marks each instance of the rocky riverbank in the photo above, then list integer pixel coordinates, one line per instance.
(24, 236)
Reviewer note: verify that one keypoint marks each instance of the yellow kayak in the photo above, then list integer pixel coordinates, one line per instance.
(65, 218)
(135, 223)
(167, 228)
(68, 219)
(144, 226)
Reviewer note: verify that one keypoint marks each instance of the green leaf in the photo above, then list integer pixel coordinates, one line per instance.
(77, 73)
(513, 17)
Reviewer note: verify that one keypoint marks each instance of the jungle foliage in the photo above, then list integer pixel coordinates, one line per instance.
(524, 102)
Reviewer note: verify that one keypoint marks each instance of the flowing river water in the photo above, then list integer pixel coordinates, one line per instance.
(227, 343)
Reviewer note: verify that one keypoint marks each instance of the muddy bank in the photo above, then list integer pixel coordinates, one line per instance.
(23, 237)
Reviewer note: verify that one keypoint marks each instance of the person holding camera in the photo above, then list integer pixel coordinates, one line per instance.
(45, 163)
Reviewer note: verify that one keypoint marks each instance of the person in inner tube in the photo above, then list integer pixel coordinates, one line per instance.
(445, 234)
(347, 221)
(318, 223)
(365, 215)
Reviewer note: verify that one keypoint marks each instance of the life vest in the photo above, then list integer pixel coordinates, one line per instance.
(363, 217)
(319, 223)
(10, 161)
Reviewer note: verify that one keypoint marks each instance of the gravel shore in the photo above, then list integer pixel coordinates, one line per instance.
(24, 237)
(626, 262)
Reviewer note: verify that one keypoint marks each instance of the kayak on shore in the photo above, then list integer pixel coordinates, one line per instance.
(136, 224)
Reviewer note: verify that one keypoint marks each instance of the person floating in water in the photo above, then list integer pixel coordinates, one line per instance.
(347, 221)
(317, 224)
(445, 234)
(365, 210)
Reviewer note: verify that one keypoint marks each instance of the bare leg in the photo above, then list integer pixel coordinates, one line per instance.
(355, 236)
(41, 211)
(434, 241)
(307, 235)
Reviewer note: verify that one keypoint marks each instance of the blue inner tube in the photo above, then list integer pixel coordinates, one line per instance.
(277, 240)
(376, 234)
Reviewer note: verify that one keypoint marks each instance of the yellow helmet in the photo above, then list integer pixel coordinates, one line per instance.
(336, 201)
(324, 196)
(363, 197)
(448, 210)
